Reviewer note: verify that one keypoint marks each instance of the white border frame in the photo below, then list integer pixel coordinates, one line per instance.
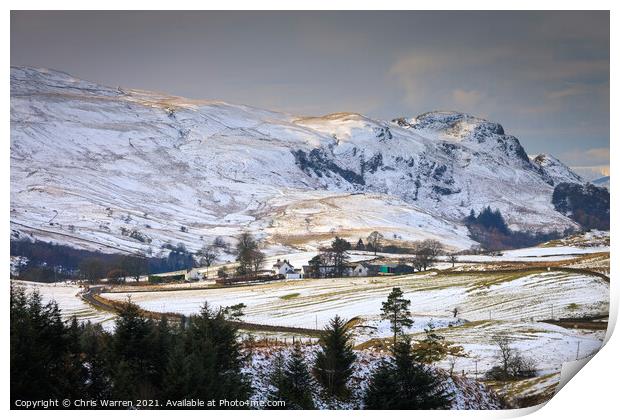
(592, 394)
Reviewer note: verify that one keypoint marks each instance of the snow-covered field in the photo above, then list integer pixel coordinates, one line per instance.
(547, 345)
(533, 254)
(488, 304)
(311, 302)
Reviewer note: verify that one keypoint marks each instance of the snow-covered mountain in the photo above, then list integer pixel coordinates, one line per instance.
(106, 168)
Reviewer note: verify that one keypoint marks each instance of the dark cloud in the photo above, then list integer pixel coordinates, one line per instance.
(543, 75)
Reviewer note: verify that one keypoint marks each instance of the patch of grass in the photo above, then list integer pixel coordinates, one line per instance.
(506, 276)
(525, 392)
(572, 306)
(356, 320)
(289, 296)
(375, 344)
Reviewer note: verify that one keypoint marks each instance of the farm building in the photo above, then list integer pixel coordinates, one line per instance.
(296, 274)
(193, 275)
(388, 269)
(364, 269)
(283, 267)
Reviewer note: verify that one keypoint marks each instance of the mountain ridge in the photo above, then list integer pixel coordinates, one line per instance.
(100, 162)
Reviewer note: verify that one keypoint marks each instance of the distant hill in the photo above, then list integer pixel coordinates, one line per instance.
(96, 167)
(601, 182)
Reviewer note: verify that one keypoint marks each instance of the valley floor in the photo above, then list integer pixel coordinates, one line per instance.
(498, 297)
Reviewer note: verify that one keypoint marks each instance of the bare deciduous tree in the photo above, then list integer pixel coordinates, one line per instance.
(207, 256)
(374, 240)
(512, 364)
(426, 253)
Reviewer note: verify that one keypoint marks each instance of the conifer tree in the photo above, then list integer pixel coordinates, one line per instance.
(44, 363)
(95, 344)
(161, 341)
(132, 366)
(140, 359)
(396, 310)
(215, 358)
(175, 383)
(293, 381)
(401, 383)
(333, 365)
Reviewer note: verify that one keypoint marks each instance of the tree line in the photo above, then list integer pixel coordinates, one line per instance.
(49, 262)
(489, 228)
(332, 261)
(587, 204)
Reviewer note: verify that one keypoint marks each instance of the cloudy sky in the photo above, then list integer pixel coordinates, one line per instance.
(543, 75)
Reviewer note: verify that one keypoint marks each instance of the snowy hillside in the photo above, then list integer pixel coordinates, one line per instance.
(556, 169)
(106, 168)
(601, 182)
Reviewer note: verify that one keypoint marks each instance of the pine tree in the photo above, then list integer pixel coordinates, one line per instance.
(95, 343)
(277, 379)
(293, 381)
(161, 341)
(132, 363)
(315, 263)
(339, 248)
(333, 365)
(139, 360)
(175, 382)
(41, 352)
(215, 358)
(396, 310)
(404, 384)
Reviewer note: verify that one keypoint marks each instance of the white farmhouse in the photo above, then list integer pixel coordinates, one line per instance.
(283, 267)
(193, 275)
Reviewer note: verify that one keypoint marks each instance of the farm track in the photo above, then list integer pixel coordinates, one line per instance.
(92, 296)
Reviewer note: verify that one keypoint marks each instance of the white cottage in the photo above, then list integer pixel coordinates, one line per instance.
(193, 275)
(283, 267)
